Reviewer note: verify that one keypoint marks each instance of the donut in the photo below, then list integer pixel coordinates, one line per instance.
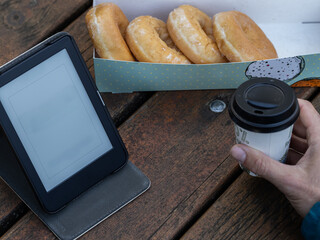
(149, 41)
(191, 30)
(240, 39)
(107, 24)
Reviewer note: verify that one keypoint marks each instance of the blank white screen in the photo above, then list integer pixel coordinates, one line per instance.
(54, 119)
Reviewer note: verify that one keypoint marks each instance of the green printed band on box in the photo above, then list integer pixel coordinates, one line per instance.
(121, 76)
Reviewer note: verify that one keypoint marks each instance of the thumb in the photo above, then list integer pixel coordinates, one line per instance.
(259, 163)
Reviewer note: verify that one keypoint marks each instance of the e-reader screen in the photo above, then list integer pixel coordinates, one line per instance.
(54, 119)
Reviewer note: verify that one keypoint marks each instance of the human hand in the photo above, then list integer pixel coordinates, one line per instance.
(299, 179)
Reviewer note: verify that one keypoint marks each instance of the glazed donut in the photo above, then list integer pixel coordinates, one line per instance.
(149, 41)
(107, 24)
(191, 30)
(240, 39)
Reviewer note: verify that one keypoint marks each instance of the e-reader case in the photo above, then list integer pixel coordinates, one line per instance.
(100, 201)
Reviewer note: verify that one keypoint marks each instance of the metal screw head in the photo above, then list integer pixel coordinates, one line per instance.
(217, 106)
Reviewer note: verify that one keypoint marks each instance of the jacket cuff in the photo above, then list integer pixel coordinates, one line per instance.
(310, 227)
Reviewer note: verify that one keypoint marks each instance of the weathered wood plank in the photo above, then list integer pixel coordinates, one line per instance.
(9, 202)
(178, 148)
(306, 93)
(228, 167)
(34, 225)
(250, 209)
(183, 148)
(25, 23)
(316, 102)
(11, 207)
(119, 105)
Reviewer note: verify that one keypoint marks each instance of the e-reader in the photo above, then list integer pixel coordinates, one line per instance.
(57, 123)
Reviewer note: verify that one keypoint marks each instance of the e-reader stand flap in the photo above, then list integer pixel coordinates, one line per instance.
(83, 213)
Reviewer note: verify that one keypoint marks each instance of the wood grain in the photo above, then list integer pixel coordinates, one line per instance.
(306, 93)
(183, 148)
(178, 148)
(25, 23)
(35, 226)
(120, 106)
(11, 208)
(316, 102)
(7, 206)
(173, 138)
(250, 209)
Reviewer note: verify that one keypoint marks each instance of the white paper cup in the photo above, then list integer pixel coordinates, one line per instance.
(264, 111)
(275, 145)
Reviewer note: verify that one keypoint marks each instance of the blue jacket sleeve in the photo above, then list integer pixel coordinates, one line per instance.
(310, 227)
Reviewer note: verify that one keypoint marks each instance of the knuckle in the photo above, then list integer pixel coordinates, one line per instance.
(304, 102)
(307, 103)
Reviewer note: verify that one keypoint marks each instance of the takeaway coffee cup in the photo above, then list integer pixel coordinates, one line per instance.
(263, 111)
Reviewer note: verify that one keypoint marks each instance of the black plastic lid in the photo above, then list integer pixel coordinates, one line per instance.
(264, 105)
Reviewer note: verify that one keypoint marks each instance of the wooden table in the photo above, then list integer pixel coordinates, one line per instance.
(198, 191)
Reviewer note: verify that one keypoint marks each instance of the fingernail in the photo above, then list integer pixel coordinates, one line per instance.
(238, 153)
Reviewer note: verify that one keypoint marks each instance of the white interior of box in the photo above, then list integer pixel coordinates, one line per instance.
(293, 26)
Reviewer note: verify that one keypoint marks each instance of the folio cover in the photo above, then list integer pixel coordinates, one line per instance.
(83, 213)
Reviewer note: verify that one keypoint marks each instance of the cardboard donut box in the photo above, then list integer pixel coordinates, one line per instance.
(292, 26)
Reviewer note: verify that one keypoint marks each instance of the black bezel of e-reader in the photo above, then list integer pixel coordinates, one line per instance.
(108, 163)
